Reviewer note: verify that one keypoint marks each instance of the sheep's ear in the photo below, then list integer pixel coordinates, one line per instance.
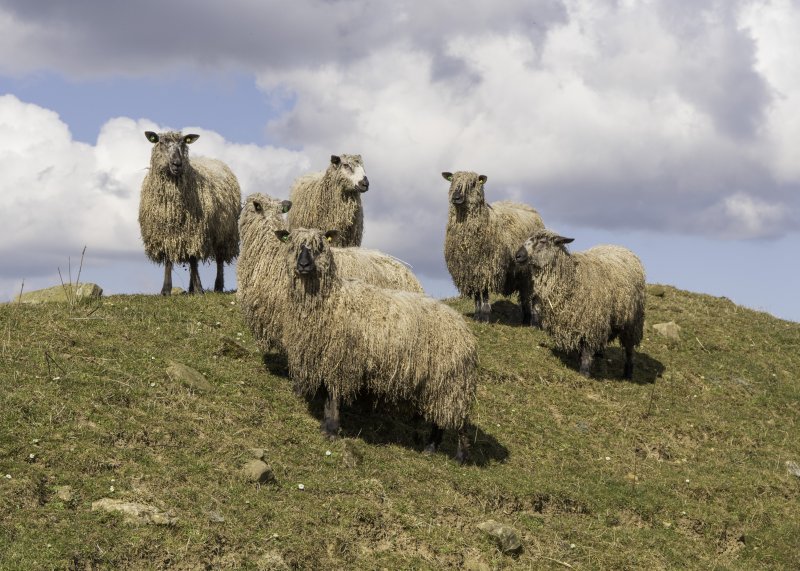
(336, 160)
(331, 234)
(482, 178)
(286, 206)
(448, 176)
(559, 240)
(257, 206)
(189, 139)
(283, 235)
(151, 136)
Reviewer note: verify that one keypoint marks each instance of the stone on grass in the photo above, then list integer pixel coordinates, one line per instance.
(258, 472)
(135, 513)
(65, 494)
(670, 330)
(506, 536)
(62, 293)
(231, 348)
(187, 376)
(793, 468)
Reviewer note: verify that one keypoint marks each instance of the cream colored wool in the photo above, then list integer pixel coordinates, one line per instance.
(481, 239)
(346, 336)
(193, 215)
(328, 200)
(588, 298)
(263, 280)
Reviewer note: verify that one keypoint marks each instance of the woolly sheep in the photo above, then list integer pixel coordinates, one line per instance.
(480, 243)
(587, 298)
(188, 210)
(262, 279)
(346, 336)
(332, 199)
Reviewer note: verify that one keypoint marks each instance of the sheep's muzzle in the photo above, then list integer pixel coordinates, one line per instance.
(521, 256)
(305, 261)
(363, 185)
(458, 197)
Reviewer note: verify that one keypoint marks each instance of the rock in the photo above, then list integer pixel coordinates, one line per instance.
(231, 348)
(135, 513)
(506, 536)
(187, 376)
(62, 293)
(475, 564)
(176, 291)
(65, 494)
(257, 453)
(258, 472)
(670, 330)
(793, 468)
(272, 561)
(215, 517)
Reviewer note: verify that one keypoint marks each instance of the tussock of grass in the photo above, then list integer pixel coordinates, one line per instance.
(682, 468)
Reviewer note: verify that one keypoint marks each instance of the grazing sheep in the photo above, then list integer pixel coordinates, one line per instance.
(347, 336)
(332, 199)
(188, 210)
(587, 298)
(262, 277)
(480, 243)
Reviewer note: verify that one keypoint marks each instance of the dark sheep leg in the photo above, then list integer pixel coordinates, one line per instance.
(435, 439)
(628, 373)
(194, 276)
(166, 289)
(462, 453)
(219, 283)
(477, 315)
(486, 307)
(330, 423)
(586, 362)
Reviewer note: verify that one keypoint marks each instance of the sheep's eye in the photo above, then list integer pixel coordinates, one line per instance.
(347, 167)
(285, 238)
(328, 238)
(257, 206)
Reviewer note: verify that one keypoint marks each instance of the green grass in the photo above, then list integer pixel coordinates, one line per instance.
(682, 468)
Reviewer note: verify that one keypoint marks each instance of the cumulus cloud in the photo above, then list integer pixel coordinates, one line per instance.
(58, 195)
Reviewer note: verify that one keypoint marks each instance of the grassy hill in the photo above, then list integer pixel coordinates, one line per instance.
(685, 467)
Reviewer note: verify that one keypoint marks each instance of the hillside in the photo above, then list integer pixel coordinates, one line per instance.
(685, 467)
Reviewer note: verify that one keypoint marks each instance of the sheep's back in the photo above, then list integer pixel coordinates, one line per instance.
(376, 268)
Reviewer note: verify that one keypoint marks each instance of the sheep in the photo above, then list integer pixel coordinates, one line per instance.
(480, 242)
(332, 199)
(347, 336)
(188, 210)
(587, 298)
(262, 279)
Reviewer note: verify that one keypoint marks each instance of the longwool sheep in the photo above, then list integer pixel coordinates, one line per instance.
(347, 336)
(332, 199)
(587, 298)
(188, 210)
(261, 271)
(480, 243)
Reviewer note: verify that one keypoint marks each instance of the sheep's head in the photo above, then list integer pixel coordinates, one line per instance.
(540, 250)
(170, 152)
(263, 211)
(309, 256)
(350, 170)
(466, 189)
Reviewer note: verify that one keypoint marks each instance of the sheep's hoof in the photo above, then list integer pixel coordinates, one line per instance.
(166, 292)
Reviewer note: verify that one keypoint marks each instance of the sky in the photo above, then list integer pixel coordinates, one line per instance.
(671, 127)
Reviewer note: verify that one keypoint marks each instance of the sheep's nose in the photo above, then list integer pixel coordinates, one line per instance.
(305, 261)
(521, 256)
(458, 198)
(363, 185)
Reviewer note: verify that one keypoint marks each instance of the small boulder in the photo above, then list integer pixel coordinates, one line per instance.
(793, 468)
(506, 536)
(670, 330)
(231, 348)
(62, 293)
(135, 513)
(258, 472)
(65, 494)
(187, 376)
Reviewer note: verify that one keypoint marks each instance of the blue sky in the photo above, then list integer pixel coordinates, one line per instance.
(669, 127)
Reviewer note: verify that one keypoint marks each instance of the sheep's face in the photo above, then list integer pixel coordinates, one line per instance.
(466, 189)
(350, 170)
(540, 250)
(309, 253)
(170, 153)
(266, 209)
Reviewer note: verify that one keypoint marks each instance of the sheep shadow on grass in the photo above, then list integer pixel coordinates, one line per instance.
(610, 365)
(377, 422)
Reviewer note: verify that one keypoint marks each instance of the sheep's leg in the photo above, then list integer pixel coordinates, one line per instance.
(628, 374)
(477, 315)
(586, 361)
(435, 439)
(219, 283)
(486, 307)
(166, 289)
(462, 454)
(529, 315)
(194, 276)
(330, 424)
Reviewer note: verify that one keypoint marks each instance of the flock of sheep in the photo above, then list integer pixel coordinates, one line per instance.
(350, 319)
